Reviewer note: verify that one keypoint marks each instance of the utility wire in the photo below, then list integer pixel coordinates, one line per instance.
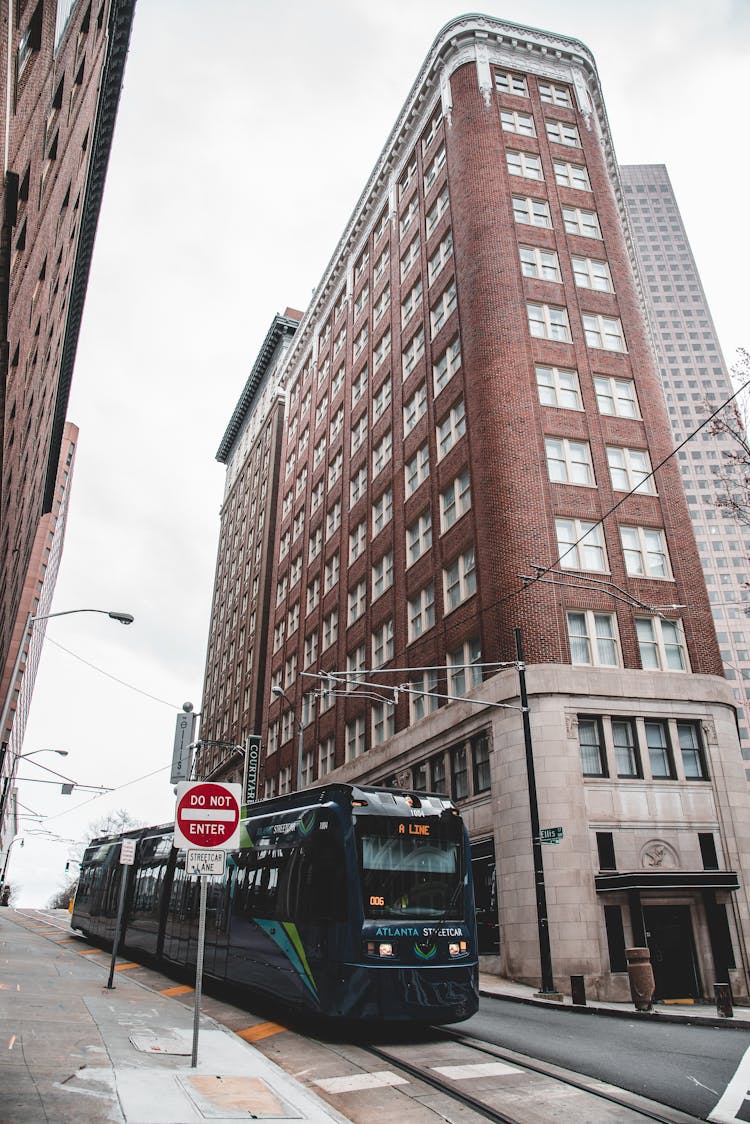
(117, 788)
(108, 675)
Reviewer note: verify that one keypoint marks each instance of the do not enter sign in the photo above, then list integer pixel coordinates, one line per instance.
(207, 816)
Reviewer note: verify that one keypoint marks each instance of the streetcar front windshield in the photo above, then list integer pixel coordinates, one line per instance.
(417, 876)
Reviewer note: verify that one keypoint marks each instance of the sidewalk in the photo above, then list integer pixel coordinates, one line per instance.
(72, 1051)
(703, 1014)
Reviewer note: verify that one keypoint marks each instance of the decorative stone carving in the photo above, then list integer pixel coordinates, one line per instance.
(709, 731)
(484, 74)
(571, 726)
(446, 98)
(658, 854)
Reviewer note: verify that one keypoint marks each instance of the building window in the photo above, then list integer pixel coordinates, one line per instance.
(593, 639)
(382, 512)
(416, 470)
(333, 519)
(330, 629)
(605, 845)
(285, 781)
(433, 169)
(331, 575)
(630, 470)
(709, 856)
(422, 692)
(355, 665)
(382, 575)
(627, 758)
(292, 621)
(659, 750)
(542, 264)
(568, 462)
(531, 212)
(412, 302)
(335, 468)
(382, 643)
(382, 453)
(418, 537)
(571, 175)
(463, 670)
(357, 541)
(603, 332)
(359, 386)
(359, 432)
(460, 580)
(326, 757)
(455, 501)
(381, 350)
(645, 552)
(315, 544)
(579, 221)
(447, 365)
(415, 408)
(548, 323)
(591, 274)
(661, 644)
(357, 602)
(438, 260)
(480, 758)
(358, 486)
(437, 774)
(511, 84)
(383, 722)
(381, 306)
(593, 759)
(355, 738)
(526, 164)
(616, 397)
(514, 122)
(451, 428)
(421, 612)
(558, 386)
(459, 772)
(580, 545)
(313, 594)
(691, 750)
(436, 211)
(413, 353)
(311, 648)
(555, 95)
(562, 132)
(440, 312)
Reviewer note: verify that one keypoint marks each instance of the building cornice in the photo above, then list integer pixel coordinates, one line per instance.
(118, 39)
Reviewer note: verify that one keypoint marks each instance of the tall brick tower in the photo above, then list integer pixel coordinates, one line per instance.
(475, 442)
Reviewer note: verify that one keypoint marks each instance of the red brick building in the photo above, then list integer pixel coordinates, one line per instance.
(61, 86)
(475, 440)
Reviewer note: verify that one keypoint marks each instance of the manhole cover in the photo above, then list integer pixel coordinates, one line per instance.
(151, 1042)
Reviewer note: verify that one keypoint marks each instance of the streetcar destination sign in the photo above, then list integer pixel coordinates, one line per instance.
(207, 816)
(205, 862)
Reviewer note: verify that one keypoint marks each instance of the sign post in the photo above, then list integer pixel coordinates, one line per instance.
(127, 858)
(207, 825)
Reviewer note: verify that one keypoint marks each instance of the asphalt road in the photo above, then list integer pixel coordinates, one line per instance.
(685, 1066)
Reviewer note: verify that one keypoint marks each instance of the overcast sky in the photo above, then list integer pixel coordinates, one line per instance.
(247, 130)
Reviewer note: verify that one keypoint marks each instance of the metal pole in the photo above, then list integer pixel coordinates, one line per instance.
(300, 748)
(545, 953)
(199, 966)
(120, 910)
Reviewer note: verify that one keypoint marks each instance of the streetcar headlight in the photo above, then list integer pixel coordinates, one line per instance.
(457, 948)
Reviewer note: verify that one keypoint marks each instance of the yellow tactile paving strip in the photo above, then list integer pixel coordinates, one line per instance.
(179, 989)
(260, 1031)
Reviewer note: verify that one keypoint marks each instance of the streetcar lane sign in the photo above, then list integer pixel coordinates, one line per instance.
(205, 862)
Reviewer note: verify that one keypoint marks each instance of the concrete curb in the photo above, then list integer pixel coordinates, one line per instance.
(658, 1014)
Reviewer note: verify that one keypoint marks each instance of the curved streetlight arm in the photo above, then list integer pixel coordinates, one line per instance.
(123, 618)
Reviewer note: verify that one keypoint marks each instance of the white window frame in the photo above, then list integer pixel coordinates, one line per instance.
(333, 519)
(455, 500)
(358, 540)
(381, 400)
(382, 453)
(331, 572)
(608, 389)
(509, 83)
(440, 258)
(589, 552)
(569, 462)
(542, 264)
(575, 176)
(434, 168)
(447, 365)
(548, 322)
(418, 537)
(355, 662)
(360, 430)
(463, 674)
(558, 386)
(451, 429)
(415, 409)
(630, 470)
(382, 575)
(358, 485)
(590, 273)
(383, 643)
(512, 121)
(383, 722)
(526, 164)
(356, 602)
(382, 304)
(382, 350)
(436, 211)
(355, 738)
(410, 256)
(413, 353)
(552, 94)
(600, 638)
(330, 628)
(442, 308)
(460, 580)
(326, 754)
(382, 512)
(645, 552)
(420, 613)
(581, 221)
(417, 470)
(531, 212)
(562, 132)
(422, 692)
(665, 642)
(603, 332)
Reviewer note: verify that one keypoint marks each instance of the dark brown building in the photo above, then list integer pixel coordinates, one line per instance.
(475, 440)
(61, 87)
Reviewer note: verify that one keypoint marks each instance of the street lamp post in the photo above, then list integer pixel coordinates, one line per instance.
(15, 839)
(31, 620)
(281, 693)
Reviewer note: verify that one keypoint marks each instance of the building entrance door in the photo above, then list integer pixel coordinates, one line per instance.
(669, 934)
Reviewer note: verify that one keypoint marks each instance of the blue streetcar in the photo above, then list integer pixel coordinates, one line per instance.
(343, 901)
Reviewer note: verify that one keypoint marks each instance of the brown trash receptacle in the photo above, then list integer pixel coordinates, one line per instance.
(641, 977)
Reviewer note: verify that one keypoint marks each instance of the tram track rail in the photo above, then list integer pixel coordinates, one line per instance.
(520, 1082)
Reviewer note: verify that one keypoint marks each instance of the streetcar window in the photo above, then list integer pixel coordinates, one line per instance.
(415, 876)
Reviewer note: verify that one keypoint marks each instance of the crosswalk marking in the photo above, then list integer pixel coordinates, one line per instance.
(735, 1094)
